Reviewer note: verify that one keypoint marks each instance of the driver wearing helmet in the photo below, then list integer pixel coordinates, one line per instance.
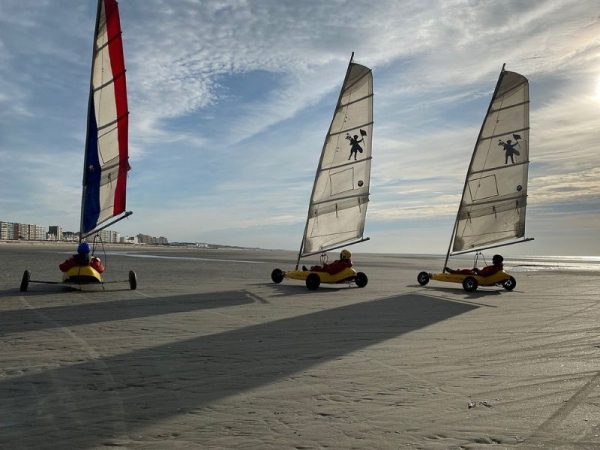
(335, 267)
(485, 272)
(82, 258)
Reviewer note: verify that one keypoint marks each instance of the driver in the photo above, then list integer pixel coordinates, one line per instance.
(335, 267)
(485, 272)
(82, 258)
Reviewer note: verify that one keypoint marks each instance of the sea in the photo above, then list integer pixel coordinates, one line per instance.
(539, 263)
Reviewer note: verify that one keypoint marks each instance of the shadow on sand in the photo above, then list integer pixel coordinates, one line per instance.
(90, 404)
(24, 320)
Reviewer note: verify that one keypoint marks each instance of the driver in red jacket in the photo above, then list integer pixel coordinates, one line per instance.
(82, 258)
(335, 267)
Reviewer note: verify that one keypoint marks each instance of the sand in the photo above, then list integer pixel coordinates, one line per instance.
(208, 353)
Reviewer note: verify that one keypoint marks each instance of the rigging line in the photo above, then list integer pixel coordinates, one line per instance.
(357, 100)
(353, 128)
(347, 164)
(504, 134)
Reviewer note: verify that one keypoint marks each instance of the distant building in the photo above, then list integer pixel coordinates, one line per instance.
(23, 231)
(30, 232)
(106, 236)
(145, 239)
(128, 240)
(70, 236)
(56, 231)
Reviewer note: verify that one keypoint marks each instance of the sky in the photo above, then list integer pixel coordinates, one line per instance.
(230, 102)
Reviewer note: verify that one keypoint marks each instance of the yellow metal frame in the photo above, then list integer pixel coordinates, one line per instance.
(498, 277)
(339, 277)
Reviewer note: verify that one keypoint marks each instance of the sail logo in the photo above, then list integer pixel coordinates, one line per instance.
(510, 148)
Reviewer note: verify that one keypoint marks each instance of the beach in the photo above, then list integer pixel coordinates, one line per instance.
(209, 353)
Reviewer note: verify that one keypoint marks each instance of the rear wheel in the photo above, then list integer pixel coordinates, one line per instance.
(509, 284)
(132, 280)
(277, 276)
(313, 281)
(423, 278)
(470, 284)
(25, 281)
(361, 279)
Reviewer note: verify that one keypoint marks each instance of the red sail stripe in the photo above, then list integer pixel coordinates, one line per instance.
(117, 62)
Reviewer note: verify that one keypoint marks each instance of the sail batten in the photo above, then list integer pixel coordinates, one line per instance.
(346, 164)
(352, 128)
(509, 107)
(338, 204)
(354, 101)
(106, 149)
(503, 134)
(494, 200)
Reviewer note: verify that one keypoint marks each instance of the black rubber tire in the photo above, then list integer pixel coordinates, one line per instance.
(313, 281)
(277, 276)
(510, 284)
(132, 280)
(25, 281)
(423, 278)
(361, 279)
(470, 284)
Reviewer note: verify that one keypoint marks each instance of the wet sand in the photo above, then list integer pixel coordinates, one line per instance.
(208, 353)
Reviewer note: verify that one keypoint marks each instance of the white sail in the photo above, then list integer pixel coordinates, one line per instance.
(492, 208)
(338, 204)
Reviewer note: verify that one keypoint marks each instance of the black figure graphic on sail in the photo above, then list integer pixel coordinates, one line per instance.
(354, 143)
(510, 149)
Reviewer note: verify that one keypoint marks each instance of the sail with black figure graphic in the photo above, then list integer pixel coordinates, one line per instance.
(338, 204)
(494, 201)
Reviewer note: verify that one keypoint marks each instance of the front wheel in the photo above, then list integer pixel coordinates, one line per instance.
(470, 284)
(313, 281)
(132, 280)
(509, 284)
(423, 278)
(25, 281)
(277, 276)
(361, 279)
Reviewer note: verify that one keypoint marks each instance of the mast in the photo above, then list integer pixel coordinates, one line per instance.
(90, 112)
(321, 159)
(471, 165)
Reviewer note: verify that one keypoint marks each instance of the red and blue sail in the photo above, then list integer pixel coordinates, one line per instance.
(106, 153)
